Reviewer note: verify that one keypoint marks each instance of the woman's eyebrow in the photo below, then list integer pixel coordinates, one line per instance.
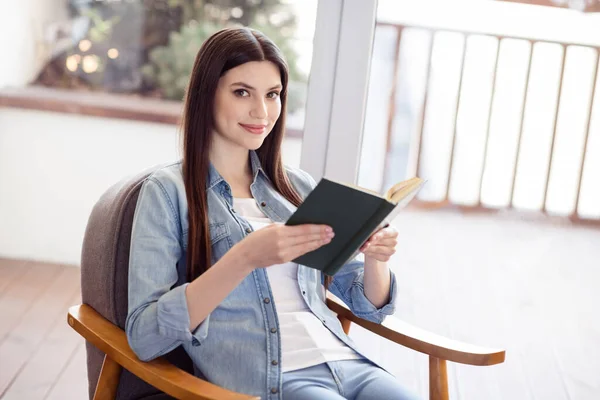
(246, 86)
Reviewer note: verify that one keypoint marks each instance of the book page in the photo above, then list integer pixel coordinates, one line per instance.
(403, 197)
(360, 188)
(402, 189)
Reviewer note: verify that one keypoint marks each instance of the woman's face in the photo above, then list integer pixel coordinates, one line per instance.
(247, 104)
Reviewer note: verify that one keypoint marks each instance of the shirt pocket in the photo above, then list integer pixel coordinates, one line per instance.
(220, 240)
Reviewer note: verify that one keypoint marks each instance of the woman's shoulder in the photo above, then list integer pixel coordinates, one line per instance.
(169, 174)
(168, 178)
(302, 180)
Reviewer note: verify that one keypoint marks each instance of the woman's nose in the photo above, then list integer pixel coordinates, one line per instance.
(259, 110)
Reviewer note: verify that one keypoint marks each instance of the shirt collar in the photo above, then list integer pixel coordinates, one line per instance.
(214, 177)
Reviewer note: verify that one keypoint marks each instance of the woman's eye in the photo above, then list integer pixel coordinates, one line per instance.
(241, 93)
(273, 95)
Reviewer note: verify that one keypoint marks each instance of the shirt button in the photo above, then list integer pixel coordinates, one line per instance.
(263, 204)
(273, 330)
(303, 292)
(267, 300)
(233, 211)
(248, 230)
(274, 362)
(274, 390)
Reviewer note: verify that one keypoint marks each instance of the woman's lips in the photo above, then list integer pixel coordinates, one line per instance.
(255, 129)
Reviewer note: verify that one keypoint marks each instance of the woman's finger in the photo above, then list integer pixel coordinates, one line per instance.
(306, 229)
(295, 251)
(299, 240)
(383, 234)
(379, 250)
(386, 233)
(386, 242)
(389, 242)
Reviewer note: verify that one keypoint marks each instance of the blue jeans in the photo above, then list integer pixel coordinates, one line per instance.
(348, 379)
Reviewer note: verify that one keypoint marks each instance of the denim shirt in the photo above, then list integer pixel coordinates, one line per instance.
(238, 346)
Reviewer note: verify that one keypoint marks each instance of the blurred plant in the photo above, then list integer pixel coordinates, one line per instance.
(171, 66)
(101, 29)
(149, 46)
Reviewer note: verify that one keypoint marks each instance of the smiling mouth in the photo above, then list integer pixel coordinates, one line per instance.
(255, 129)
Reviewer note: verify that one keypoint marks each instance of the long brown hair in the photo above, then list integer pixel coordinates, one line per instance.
(221, 52)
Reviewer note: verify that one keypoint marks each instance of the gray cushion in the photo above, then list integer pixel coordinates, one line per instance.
(104, 272)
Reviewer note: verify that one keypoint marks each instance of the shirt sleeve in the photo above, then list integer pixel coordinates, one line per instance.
(157, 319)
(348, 285)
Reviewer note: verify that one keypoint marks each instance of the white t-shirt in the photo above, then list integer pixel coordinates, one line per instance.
(305, 341)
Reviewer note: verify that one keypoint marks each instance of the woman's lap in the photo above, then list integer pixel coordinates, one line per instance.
(349, 379)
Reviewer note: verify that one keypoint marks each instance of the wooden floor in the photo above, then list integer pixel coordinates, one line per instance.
(41, 357)
(529, 287)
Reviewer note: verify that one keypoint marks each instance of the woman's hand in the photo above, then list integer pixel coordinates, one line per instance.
(378, 250)
(381, 245)
(278, 243)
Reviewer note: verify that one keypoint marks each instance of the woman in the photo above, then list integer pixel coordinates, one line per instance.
(210, 263)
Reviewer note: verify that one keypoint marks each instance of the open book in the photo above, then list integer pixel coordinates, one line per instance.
(354, 213)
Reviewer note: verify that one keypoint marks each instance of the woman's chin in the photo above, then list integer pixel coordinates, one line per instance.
(255, 143)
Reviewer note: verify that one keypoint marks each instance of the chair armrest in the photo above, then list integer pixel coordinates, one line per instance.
(159, 373)
(421, 340)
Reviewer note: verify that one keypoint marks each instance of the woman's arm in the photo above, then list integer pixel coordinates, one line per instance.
(157, 318)
(378, 250)
(350, 285)
(207, 291)
(377, 282)
(161, 315)
(275, 244)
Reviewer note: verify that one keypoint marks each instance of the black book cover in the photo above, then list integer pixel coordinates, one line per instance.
(353, 214)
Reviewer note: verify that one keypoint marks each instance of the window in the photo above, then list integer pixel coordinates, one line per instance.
(147, 47)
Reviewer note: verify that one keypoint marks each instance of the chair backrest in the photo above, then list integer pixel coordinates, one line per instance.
(104, 275)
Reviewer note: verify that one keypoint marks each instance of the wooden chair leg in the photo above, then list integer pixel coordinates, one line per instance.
(345, 324)
(438, 379)
(108, 380)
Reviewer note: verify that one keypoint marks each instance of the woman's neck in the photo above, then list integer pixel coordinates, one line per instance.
(235, 168)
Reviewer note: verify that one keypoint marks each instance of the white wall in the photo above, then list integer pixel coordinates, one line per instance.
(54, 167)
